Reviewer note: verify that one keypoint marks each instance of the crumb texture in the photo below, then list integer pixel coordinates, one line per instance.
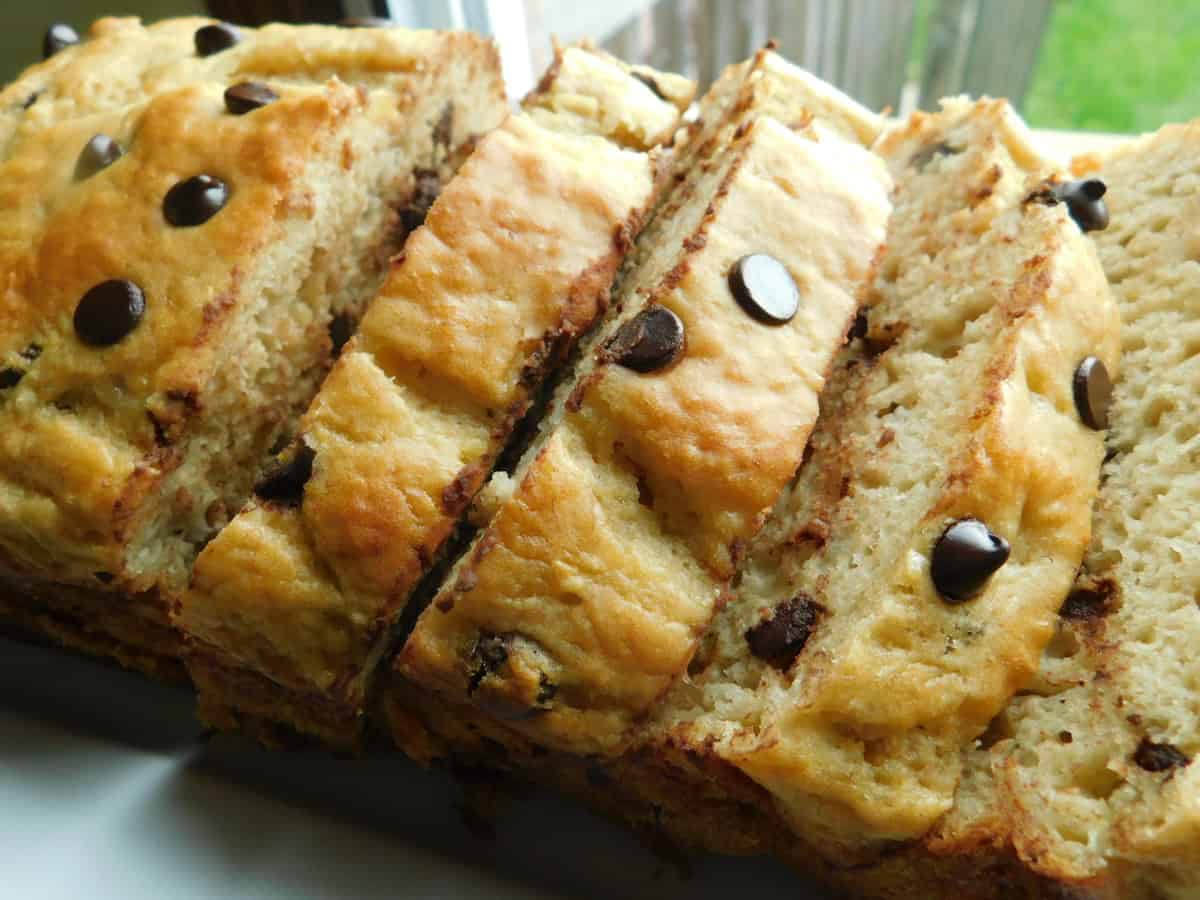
(953, 403)
(1090, 776)
(511, 267)
(583, 600)
(118, 462)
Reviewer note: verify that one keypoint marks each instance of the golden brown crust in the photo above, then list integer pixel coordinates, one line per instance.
(513, 263)
(1049, 313)
(588, 91)
(595, 580)
(117, 463)
(101, 429)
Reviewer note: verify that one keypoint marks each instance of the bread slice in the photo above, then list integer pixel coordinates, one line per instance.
(1088, 780)
(869, 639)
(292, 605)
(613, 543)
(976, 217)
(244, 240)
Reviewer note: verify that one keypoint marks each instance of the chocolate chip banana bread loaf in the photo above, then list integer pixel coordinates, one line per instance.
(192, 218)
(1087, 781)
(610, 548)
(906, 583)
(292, 605)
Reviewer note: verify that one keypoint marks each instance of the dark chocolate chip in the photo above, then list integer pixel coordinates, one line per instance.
(247, 96)
(32, 352)
(108, 312)
(964, 558)
(779, 639)
(648, 81)
(59, 36)
(284, 480)
(10, 378)
(30, 100)
(1159, 757)
(368, 22)
(1085, 203)
(858, 328)
(195, 201)
(1088, 603)
(928, 154)
(490, 653)
(443, 131)
(649, 341)
(341, 329)
(214, 38)
(1093, 392)
(426, 187)
(103, 577)
(764, 288)
(97, 154)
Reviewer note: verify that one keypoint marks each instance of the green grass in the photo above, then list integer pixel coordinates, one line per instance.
(1117, 65)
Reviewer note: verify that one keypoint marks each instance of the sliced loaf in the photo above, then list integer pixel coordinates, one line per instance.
(608, 551)
(1088, 779)
(293, 604)
(907, 583)
(188, 228)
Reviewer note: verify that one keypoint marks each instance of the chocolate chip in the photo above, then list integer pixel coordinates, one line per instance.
(1093, 393)
(964, 558)
(10, 378)
(649, 341)
(214, 38)
(97, 154)
(649, 82)
(1084, 202)
(1159, 757)
(30, 100)
(368, 22)
(341, 329)
(195, 201)
(103, 577)
(32, 352)
(59, 36)
(858, 328)
(490, 653)
(284, 481)
(247, 96)
(426, 186)
(443, 131)
(764, 288)
(928, 154)
(779, 639)
(108, 312)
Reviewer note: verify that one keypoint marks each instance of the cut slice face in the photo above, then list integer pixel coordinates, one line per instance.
(183, 238)
(907, 583)
(1091, 777)
(614, 542)
(292, 605)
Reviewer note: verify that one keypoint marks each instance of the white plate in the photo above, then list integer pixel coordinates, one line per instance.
(107, 792)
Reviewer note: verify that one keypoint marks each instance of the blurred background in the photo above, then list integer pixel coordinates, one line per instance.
(1098, 65)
